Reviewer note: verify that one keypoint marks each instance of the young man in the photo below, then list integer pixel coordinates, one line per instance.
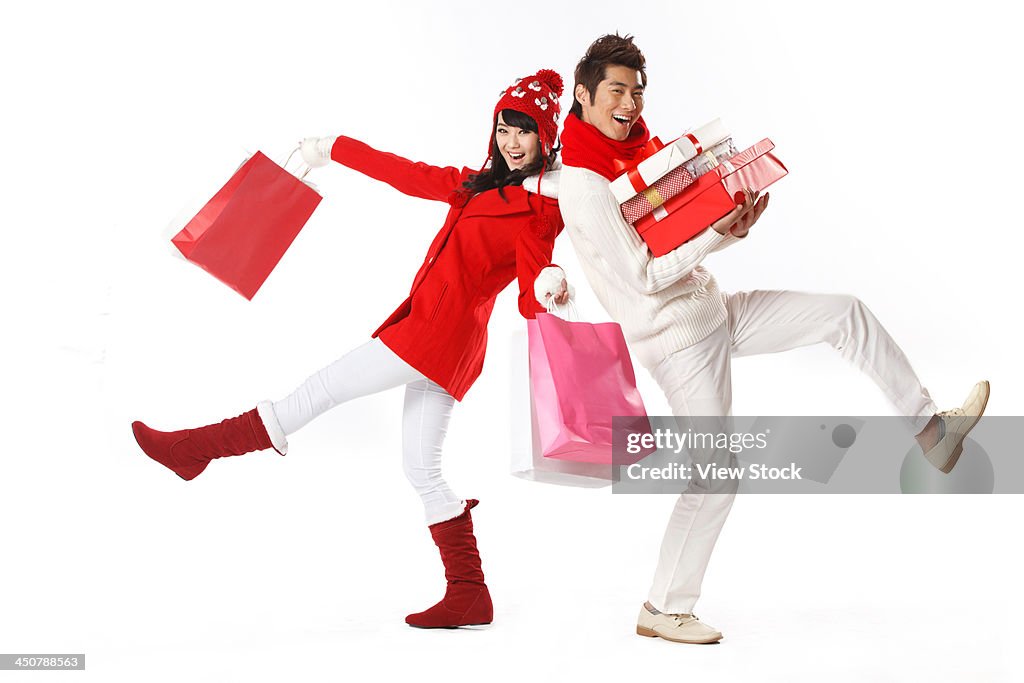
(685, 331)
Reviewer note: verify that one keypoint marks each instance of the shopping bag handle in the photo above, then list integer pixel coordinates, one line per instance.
(288, 161)
(301, 178)
(571, 314)
(285, 167)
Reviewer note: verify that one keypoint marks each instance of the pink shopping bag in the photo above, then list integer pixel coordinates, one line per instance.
(580, 378)
(244, 230)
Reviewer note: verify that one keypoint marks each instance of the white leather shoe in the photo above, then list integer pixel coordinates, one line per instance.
(957, 424)
(679, 628)
(316, 152)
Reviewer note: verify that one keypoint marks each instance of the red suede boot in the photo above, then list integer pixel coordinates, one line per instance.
(187, 452)
(467, 601)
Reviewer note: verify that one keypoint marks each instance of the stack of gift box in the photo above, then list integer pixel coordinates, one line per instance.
(673, 192)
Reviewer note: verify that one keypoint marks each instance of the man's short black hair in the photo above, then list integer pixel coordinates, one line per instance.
(609, 50)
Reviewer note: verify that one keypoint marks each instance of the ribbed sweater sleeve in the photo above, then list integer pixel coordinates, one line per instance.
(727, 241)
(413, 178)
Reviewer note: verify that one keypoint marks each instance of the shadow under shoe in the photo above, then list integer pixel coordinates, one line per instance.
(187, 452)
(466, 602)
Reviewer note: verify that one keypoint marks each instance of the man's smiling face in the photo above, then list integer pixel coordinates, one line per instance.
(616, 104)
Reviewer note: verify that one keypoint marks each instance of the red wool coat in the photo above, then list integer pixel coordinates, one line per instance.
(441, 328)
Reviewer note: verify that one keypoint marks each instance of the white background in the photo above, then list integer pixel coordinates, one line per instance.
(899, 123)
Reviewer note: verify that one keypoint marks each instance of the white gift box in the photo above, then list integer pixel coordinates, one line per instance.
(673, 155)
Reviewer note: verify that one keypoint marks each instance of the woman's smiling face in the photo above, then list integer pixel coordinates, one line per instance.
(518, 146)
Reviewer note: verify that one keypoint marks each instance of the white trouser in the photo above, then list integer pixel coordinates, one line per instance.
(697, 381)
(366, 370)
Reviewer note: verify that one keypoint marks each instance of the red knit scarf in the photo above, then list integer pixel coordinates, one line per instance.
(585, 146)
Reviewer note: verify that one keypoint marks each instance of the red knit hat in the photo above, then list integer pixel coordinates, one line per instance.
(537, 97)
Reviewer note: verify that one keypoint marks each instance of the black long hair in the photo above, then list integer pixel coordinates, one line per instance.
(498, 176)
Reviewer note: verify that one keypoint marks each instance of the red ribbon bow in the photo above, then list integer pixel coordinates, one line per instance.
(653, 146)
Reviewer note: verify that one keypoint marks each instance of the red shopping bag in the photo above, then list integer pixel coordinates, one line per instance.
(580, 378)
(240, 235)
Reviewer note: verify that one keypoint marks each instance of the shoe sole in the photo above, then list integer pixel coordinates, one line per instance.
(954, 457)
(451, 628)
(648, 633)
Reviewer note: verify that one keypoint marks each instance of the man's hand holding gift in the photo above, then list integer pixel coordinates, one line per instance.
(742, 218)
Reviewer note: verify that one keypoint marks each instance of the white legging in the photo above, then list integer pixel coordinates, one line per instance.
(366, 370)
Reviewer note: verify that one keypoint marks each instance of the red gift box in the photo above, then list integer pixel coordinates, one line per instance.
(244, 230)
(689, 213)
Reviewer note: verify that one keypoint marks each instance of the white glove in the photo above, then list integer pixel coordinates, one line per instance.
(546, 188)
(316, 152)
(549, 284)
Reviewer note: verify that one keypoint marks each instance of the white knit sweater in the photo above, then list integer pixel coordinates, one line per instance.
(663, 303)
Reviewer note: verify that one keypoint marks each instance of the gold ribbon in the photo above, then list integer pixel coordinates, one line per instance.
(654, 197)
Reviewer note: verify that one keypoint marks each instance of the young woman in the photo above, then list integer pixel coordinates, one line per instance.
(434, 342)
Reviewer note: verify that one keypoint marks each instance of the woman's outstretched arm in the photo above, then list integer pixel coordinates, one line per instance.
(413, 178)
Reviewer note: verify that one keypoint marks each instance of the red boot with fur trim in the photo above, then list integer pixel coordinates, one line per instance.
(466, 602)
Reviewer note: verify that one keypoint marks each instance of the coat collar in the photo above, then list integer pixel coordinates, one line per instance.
(490, 203)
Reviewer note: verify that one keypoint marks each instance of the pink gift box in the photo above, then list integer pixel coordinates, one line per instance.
(755, 167)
